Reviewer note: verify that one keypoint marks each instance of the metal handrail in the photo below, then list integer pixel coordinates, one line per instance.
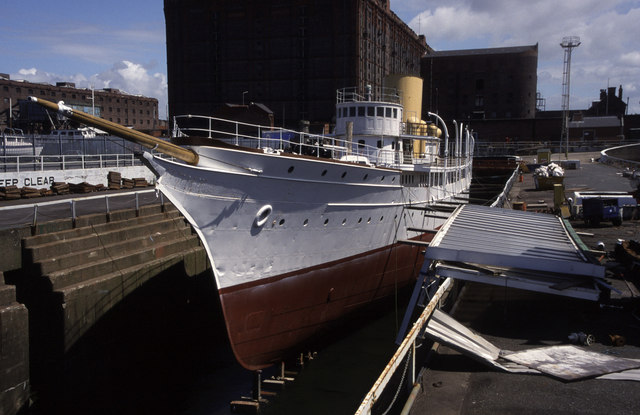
(72, 203)
(66, 162)
(407, 347)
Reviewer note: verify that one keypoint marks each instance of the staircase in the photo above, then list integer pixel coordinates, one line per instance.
(75, 276)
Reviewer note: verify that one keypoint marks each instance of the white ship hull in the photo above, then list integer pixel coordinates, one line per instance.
(328, 243)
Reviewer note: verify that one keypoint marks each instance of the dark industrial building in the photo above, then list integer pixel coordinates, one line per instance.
(479, 84)
(290, 55)
(609, 104)
(134, 111)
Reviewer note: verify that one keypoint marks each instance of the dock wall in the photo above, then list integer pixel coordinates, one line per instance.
(61, 277)
(628, 155)
(14, 351)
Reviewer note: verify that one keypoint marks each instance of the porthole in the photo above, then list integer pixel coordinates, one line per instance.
(382, 179)
(344, 221)
(381, 218)
(344, 174)
(290, 169)
(365, 177)
(281, 222)
(360, 220)
(393, 179)
(324, 172)
(326, 221)
(369, 220)
(306, 222)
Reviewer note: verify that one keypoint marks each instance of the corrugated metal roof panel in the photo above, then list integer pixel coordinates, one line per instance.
(510, 238)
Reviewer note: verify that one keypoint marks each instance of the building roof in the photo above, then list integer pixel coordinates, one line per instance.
(486, 51)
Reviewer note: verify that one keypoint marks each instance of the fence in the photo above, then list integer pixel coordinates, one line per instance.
(72, 208)
(523, 148)
(16, 164)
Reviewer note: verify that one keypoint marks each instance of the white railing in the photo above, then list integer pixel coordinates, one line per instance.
(274, 139)
(377, 94)
(33, 211)
(66, 162)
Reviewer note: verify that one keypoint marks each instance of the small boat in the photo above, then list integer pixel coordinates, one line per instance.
(302, 230)
(14, 143)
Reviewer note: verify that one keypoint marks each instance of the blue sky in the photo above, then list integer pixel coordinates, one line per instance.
(121, 44)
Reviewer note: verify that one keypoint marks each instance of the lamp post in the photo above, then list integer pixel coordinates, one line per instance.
(568, 43)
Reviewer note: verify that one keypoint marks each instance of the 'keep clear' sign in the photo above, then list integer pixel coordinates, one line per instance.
(27, 181)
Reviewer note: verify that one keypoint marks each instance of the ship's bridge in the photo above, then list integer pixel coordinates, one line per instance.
(374, 113)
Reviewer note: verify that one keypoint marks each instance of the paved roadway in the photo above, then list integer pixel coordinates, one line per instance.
(516, 320)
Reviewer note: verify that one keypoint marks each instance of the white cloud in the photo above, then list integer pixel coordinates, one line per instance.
(609, 53)
(132, 78)
(631, 59)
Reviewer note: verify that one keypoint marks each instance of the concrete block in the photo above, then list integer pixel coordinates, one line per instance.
(196, 261)
(85, 272)
(11, 243)
(14, 352)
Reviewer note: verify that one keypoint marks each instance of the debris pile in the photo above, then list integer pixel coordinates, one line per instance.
(60, 188)
(84, 187)
(545, 177)
(114, 182)
(550, 170)
(10, 192)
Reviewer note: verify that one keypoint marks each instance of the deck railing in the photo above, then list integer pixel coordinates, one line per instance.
(274, 139)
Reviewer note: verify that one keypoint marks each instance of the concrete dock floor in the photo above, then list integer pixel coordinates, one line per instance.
(517, 320)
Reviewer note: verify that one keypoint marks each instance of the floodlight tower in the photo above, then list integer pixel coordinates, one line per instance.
(568, 43)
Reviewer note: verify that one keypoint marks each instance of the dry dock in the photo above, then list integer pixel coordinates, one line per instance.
(517, 320)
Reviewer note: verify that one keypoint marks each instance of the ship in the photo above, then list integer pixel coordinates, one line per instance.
(301, 229)
(13, 143)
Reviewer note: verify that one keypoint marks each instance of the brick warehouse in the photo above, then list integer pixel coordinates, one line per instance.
(291, 55)
(495, 83)
(134, 111)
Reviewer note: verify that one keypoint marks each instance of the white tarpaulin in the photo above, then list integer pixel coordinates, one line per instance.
(570, 362)
(565, 361)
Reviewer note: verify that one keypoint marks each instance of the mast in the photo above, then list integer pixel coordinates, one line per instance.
(146, 140)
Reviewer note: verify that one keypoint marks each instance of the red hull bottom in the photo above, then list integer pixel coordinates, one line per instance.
(268, 319)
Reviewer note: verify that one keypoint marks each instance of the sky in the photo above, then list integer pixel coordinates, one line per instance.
(121, 44)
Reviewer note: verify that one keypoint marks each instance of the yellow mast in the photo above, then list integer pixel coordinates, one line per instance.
(146, 140)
